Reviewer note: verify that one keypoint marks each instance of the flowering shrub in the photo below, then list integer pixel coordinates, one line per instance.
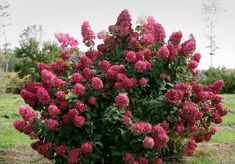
(134, 99)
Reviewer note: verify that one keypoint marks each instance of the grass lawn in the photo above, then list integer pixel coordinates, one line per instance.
(9, 137)
(14, 145)
(229, 103)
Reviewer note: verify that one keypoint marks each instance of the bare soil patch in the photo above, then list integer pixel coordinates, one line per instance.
(21, 154)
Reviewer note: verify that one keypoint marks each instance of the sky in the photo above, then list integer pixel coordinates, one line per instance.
(185, 15)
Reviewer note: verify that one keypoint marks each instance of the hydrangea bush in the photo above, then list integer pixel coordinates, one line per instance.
(133, 99)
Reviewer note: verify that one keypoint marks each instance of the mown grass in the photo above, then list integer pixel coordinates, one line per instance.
(224, 135)
(221, 148)
(215, 153)
(9, 137)
(9, 107)
(229, 103)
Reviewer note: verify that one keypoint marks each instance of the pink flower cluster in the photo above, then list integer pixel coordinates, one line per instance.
(53, 110)
(163, 76)
(66, 40)
(216, 86)
(92, 100)
(190, 147)
(87, 34)
(127, 118)
(104, 65)
(35, 94)
(47, 76)
(79, 121)
(143, 81)
(129, 158)
(140, 128)
(52, 124)
(163, 53)
(59, 66)
(152, 32)
(123, 25)
(75, 154)
(130, 56)
(97, 83)
(175, 38)
(141, 66)
(72, 155)
(78, 89)
(24, 127)
(113, 70)
(148, 142)
(61, 150)
(27, 114)
(160, 137)
(174, 96)
(85, 61)
(179, 126)
(73, 115)
(101, 34)
(188, 47)
(77, 77)
(43, 96)
(122, 81)
(122, 100)
(59, 83)
(191, 113)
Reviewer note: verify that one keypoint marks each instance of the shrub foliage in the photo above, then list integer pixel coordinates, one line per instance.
(134, 99)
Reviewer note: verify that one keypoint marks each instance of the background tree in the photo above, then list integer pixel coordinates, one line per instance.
(11, 60)
(4, 23)
(33, 50)
(211, 10)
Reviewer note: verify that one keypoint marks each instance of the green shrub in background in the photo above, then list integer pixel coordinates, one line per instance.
(10, 82)
(227, 75)
(15, 83)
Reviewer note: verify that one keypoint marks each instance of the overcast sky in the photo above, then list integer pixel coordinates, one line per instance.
(185, 15)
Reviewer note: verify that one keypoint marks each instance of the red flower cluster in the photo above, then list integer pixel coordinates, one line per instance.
(97, 83)
(189, 47)
(87, 34)
(122, 100)
(163, 53)
(190, 147)
(191, 113)
(27, 114)
(24, 127)
(175, 38)
(66, 40)
(148, 142)
(129, 158)
(52, 124)
(140, 128)
(53, 110)
(174, 96)
(127, 118)
(160, 137)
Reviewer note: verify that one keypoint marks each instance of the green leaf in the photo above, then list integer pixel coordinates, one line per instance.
(99, 144)
(70, 96)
